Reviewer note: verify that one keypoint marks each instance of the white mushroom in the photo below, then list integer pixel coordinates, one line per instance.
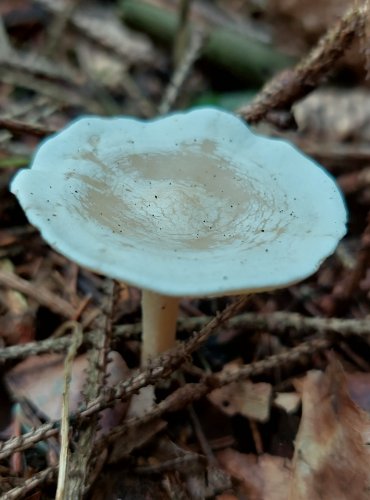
(193, 204)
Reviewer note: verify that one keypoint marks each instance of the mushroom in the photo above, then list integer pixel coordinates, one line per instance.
(192, 204)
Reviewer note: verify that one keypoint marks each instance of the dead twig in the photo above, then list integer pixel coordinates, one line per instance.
(181, 73)
(58, 25)
(192, 392)
(350, 284)
(162, 366)
(41, 295)
(288, 86)
(28, 439)
(276, 323)
(28, 485)
(21, 127)
(176, 401)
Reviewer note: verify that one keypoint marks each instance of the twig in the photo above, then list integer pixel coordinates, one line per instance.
(41, 295)
(58, 25)
(177, 463)
(29, 484)
(265, 365)
(27, 63)
(55, 90)
(162, 366)
(33, 348)
(181, 72)
(80, 466)
(5, 47)
(104, 27)
(133, 91)
(21, 127)
(290, 85)
(192, 392)
(28, 439)
(178, 400)
(276, 323)
(345, 289)
(183, 32)
(159, 368)
(198, 430)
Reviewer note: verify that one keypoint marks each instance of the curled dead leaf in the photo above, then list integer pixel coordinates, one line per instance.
(332, 457)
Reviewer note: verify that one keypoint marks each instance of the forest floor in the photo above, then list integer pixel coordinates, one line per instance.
(270, 398)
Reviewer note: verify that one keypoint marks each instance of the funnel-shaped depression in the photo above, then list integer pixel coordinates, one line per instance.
(191, 204)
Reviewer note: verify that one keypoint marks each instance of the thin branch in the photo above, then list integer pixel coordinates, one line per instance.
(181, 73)
(276, 323)
(58, 25)
(41, 295)
(288, 86)
(178, 400)
(28, 485)
(21, 127)
(28, 439)
(162, 366)
(192, 392)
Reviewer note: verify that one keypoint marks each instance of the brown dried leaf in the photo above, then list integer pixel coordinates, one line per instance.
(40, 380)
(244, 397)
(287, 401)
(331, 458)
(335, 115)
(261, 478)
(358, 384)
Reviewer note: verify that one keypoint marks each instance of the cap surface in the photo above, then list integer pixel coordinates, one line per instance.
(190, 204)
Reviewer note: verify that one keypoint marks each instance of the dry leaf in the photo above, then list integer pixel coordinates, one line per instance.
(331, 459)
(244, 397)
(261, 478)
(358, 384)
(287, 401)
(40, 380)
(335, 115)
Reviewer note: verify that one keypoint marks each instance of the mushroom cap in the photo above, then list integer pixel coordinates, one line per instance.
(190, 204)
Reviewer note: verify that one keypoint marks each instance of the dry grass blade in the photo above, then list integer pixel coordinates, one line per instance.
(63, 478)
(80, 464)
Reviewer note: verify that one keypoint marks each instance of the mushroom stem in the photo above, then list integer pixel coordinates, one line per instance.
(159, 324)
